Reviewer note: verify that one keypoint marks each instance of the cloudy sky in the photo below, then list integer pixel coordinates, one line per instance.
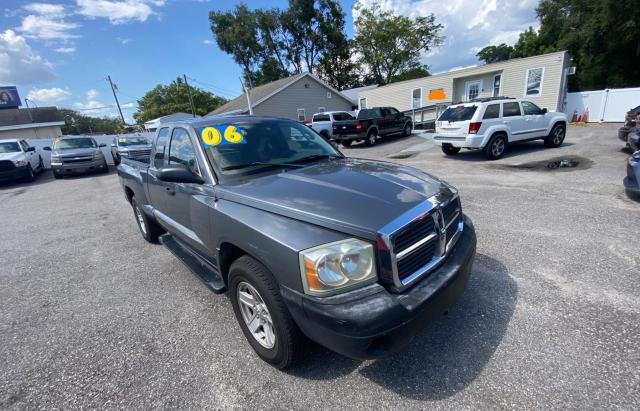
(60, 52)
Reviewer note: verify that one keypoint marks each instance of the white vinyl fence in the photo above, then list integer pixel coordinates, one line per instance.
(609, 105)
(40, 143)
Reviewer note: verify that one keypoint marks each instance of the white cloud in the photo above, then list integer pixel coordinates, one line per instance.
(48, 95)
(123, 41)
(208, 42)
(65, 50)
(469, 25)
(119, 11)
(47, 22)
(19, 64)
(92, 94)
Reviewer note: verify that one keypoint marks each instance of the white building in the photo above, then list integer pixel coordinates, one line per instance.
(32, 123)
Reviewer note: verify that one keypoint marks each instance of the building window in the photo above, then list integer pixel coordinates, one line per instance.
(302, 114)
(497, 79)
(363, 103)
(416, 98)
(473, 89)
(533, 82)
(321, 109)
(328, 94)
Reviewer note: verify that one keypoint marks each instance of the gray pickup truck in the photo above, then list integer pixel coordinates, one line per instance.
(356, 255)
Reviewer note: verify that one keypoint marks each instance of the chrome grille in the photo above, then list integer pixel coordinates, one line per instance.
(419, 245)
(140, 153)
(75, 160)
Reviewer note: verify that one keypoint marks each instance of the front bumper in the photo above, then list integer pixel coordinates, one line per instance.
(371, 322)
(462, 141)
(14, 174)
(77, 168)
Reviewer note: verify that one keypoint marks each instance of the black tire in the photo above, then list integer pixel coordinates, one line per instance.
(450, 150)
(289, 342)
(57, 175)
(496, 147)
(116, 160)
(105, 170)
(372, 138)
(31, 175)
(407, 130)
(40, 164)
(556, 137)
(346, 143)
(149, 229)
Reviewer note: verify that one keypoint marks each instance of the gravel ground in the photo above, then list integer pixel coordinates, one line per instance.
(95, 317)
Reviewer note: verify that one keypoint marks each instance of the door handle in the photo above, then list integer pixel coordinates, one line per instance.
(506, 122)
(170, 191)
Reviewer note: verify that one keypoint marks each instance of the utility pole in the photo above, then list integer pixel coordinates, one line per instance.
(193, 106)
(113, 89)
(247, 94)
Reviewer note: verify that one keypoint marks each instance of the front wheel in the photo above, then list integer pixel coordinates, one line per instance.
(31, 176)
(407, 130)
(372, 138)
(450, 150)
(262, 315)
(105, 169)
(556, 137)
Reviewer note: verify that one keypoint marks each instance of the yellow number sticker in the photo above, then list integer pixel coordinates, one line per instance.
(211, 136)
(233, 135)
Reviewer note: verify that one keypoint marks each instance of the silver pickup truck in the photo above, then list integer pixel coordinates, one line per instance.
(356, 255)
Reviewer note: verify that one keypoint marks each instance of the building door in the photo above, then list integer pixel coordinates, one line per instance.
(472, 89)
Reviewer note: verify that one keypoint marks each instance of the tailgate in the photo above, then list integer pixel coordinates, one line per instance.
(345, 127)
(456, 128)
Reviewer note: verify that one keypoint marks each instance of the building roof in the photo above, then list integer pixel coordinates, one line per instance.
(352, 93)
(33, 117)
(264, 92)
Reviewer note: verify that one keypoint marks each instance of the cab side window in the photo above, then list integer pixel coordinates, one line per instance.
(510, 110)
(492, 111)
(161, 144)
(181, 150)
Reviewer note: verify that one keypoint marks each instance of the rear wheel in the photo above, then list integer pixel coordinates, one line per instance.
(496, 147)
(450, 150)
(262, 315)
(372, 138)
(149, 229)
(346, 143)
(556, 137)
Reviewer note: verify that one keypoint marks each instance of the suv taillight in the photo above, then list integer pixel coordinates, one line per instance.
(358, 126)
(474, 127)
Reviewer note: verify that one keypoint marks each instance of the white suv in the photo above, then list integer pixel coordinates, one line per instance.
(493, 123)
(323, 122)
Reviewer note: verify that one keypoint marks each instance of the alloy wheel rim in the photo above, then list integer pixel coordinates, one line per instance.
(143, 227)
(256, 315)
(557, 136)
(498, 147)
(372, 138)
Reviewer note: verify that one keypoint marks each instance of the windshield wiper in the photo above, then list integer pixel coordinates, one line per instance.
(312, 157)
(257, 163)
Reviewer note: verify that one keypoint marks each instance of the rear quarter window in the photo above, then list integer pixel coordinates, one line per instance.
(492, 111)
(459, 113)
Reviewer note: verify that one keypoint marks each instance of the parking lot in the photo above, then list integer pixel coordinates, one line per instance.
(95, 317)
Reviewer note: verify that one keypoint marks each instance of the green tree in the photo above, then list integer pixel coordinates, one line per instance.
(77, 123)
(493, 54)
(388, 44)
(412, 73)
(530, 44)
(163, 100)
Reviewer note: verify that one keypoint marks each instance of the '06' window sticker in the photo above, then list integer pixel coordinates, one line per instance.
(221, 135)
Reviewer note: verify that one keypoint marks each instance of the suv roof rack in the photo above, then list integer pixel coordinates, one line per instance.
(485, 99)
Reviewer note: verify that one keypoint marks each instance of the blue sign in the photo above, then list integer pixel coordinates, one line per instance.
(9, 97)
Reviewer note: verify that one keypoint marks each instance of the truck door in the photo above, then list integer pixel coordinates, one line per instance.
(156, 188)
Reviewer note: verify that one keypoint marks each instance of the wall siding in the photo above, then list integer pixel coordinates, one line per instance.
(513, 83)
(287, 102)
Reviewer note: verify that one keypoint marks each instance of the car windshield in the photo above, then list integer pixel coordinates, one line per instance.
(459, 113)
(9, 147)
(69, 143)
(132, 141)
(245, 147)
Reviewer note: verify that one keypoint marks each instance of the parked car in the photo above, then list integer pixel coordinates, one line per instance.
(371, 124)
(356, 255)
(73, 155)
(18, 160)
(133, 147)
(632, 180)
(323, 122)
(492, 124)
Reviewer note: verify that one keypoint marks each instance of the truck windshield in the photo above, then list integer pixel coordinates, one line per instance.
(459, 113)
(69, 143)
(9, 147)
(248, 146)
(132, 141)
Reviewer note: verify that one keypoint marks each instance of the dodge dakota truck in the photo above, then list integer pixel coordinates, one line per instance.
(355, 255)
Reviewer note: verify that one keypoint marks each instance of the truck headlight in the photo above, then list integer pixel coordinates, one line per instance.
(334, 267)
(21, 163)
(55, 160)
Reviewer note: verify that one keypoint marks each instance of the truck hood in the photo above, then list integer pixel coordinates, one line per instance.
(76, 152)
(349, 195)
(13, 156)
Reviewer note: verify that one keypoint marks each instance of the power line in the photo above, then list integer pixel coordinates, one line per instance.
(217, 89)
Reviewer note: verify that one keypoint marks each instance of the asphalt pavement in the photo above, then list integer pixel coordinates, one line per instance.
(95, 317)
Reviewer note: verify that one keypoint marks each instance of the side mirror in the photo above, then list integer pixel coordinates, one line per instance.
(113, 145)
(178, 173)
(102, 145)
(47, 148)
(544, 111)
(31, 149)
